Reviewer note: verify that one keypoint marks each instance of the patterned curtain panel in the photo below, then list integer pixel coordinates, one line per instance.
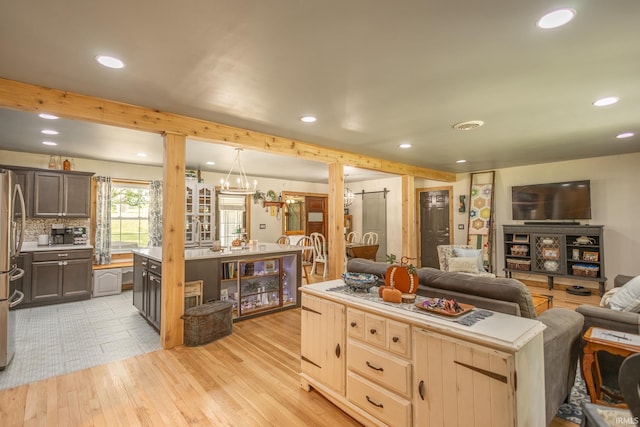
(155, 213)
(103, 220)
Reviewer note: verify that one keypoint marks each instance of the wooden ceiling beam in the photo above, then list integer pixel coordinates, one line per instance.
(26, 97)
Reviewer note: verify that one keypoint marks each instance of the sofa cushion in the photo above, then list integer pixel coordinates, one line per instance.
(469, 253)
(628, 297)
(463, 265)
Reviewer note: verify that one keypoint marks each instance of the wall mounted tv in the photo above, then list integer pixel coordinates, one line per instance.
(557, 201)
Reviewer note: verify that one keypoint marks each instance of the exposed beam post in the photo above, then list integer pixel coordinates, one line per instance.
(335, 239)
(409, 236)
(173, 216)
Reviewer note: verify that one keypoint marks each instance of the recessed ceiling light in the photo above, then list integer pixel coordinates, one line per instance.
(48, 143)
(461, 161)
(47, 116)
(625, 135)
(211, 163)
(405, 145)
(556, 19)
(141, 154)
(471, 124)
(609, 100)
(110, 61)
(308, 119)
(49, 131)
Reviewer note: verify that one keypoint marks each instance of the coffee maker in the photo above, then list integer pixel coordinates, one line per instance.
(57, 236)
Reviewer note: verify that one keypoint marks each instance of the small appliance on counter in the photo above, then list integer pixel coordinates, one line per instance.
(79, 235)
(57, 234)
(68, 235)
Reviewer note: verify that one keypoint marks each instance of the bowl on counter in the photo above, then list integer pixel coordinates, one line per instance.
(360, 282)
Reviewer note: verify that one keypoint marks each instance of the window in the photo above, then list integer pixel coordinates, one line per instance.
(129, 215)
(232, 214)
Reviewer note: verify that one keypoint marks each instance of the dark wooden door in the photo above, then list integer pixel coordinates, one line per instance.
(76, 275)
(47, 194)
(434, 225)
(316, 215)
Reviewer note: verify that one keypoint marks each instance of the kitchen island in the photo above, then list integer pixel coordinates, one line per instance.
(396, 364)
(256, 280)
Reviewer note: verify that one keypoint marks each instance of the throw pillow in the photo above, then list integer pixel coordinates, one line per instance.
(628, 297)
(470, 253)
(606, 298)
(463, 265)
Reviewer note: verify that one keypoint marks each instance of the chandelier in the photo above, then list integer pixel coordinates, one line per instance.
(242, 186)
(348, 197)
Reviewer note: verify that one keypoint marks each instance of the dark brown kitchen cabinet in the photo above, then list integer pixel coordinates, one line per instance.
(61, 194)
(147, 288)
(60, 276)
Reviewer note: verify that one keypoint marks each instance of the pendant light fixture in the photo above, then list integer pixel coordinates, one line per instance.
(348, 197)
(242, 186)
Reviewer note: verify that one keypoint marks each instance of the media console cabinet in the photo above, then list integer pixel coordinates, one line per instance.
(394, 365)
(566, 251)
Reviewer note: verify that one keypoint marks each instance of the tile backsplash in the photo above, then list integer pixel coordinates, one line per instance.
(36, 226)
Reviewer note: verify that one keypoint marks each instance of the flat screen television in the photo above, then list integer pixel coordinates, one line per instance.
(555, 201)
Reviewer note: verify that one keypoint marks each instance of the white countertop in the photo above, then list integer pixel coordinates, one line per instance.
(202, 253)
(34, 247)
(500, 330)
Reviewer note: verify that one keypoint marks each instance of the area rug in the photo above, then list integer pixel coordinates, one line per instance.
(572, 410)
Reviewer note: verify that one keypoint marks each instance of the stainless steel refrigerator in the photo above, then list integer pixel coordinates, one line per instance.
(11, 237)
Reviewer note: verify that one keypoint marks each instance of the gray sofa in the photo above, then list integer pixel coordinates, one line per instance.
(623, 321)
(510, 296)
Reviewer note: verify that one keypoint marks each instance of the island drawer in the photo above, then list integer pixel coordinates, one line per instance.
(155, 267)
(382, 404)
(379, 331)
(390, 372)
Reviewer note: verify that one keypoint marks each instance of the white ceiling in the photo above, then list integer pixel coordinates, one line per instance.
(375, 73)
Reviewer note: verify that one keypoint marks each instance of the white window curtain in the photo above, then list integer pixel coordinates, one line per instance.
(103, 220)
(155, 213)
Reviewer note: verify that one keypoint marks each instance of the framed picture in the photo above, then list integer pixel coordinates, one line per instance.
(590, 256)
(270, 266)
(224, 294)
(551, 253)
(521, 238)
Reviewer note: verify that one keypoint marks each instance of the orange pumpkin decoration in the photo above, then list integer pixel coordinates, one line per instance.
(382, 288)
(398, 276)
(391, 295)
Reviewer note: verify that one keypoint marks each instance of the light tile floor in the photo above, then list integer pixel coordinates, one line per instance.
(62, 338)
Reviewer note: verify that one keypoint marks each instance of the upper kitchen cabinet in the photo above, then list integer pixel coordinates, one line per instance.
(199, 214)
(61, 194)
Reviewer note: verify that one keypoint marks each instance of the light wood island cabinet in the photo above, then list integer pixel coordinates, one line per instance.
(403, 367)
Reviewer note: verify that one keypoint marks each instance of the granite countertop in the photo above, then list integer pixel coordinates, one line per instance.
(203, 253)
(34, 247)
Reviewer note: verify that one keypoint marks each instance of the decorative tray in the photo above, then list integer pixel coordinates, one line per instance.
(438, 308)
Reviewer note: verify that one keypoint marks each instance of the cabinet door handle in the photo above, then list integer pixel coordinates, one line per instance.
(379, 405)
(338, 351)
(63, 254)
(375, 368)
(153, 267)
(64, 263)
(373, 331)
(395, 339)
(421, 389)
(354, 324)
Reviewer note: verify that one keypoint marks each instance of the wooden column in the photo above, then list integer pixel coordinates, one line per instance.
(409, 242)
(335, 239)
(171, 326)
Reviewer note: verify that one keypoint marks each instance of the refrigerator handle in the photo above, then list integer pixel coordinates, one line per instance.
(18, 275)
(18, 301)
(23, 223)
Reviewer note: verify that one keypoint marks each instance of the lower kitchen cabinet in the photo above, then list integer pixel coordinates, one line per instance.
(147, 288)
(60, 276)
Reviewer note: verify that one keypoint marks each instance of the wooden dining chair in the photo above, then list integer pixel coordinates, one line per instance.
(306, 255)
(370, 238)
(319, 254)
(283, 240)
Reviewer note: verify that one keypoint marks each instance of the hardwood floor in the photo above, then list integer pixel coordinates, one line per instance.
(249, 378)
